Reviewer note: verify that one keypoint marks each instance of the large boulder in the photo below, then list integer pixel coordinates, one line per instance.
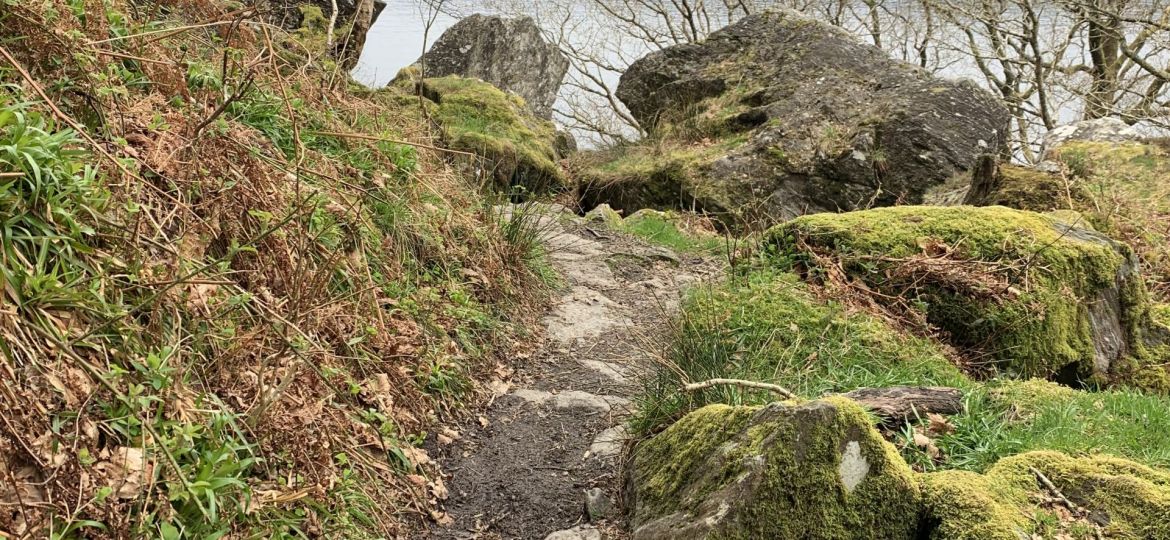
(779, 115)
(511, 54)
(1029, 293)
(814, 471)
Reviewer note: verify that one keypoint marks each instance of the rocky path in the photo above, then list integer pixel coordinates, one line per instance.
(526, 469)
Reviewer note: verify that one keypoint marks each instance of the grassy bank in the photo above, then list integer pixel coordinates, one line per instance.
(237, 292)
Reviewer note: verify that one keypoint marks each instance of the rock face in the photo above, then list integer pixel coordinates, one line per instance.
(813, 471)
(778, 115)
(511, 54)
(1039, 296)
(291, 15)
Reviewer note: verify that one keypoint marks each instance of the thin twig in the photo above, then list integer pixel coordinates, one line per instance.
(244, 88)
(784, 392)
(1053, 489)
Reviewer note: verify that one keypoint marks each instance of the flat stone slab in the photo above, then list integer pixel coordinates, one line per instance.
(614, 372)
(582, 314)
(573, 399)
(608, 444)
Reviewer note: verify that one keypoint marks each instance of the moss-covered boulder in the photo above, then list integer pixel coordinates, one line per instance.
(1024, 291)
(813, 471)
(519, 149)
(780, 115)
(1110, 498)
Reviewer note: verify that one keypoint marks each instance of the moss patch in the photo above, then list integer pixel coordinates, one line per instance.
(773, 472)
(1025, 188)
(480, 118)
(1007, 285)
(1127, 197)
(1122, 499)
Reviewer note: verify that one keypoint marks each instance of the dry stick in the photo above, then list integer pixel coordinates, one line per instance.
(393, 141)
(784, 392)
(1053, 489)
(132, 57)
(244, 88)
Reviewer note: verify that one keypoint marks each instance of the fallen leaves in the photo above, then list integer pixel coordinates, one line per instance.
(126, 470)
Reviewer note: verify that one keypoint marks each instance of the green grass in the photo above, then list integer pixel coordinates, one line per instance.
(1005, 418)
(662, 228)
(769, 327)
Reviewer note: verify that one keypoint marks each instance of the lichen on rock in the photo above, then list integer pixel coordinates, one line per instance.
(817, 470)
(1039, 297)
(779, 115)
(509, 53)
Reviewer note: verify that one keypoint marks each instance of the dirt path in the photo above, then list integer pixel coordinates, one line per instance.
(558, 433)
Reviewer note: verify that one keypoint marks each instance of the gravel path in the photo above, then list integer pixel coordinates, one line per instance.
(524, 470)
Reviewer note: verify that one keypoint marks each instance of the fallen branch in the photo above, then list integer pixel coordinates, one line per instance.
(1054, 490)
(784, 392)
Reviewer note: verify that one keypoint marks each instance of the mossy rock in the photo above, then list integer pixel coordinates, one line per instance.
(814, 471)
(520, 149)
(1026, 188)
(664, 176)
(1120, 498)
(1031, 293)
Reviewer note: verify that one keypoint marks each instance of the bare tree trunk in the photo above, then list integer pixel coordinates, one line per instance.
(1105, 36)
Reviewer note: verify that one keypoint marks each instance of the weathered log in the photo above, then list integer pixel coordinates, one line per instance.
(899, 404)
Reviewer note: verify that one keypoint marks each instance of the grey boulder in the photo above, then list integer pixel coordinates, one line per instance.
(511, 54)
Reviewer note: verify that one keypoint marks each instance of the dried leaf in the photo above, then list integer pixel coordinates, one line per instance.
(939, 425)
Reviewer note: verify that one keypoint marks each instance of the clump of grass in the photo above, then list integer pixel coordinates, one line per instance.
(1004, 418)
(687, 234)
(767, 326)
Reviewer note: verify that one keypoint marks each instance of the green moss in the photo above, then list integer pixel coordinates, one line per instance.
(774, 472)
(1012, 285)
(480, 118)
(1127, 197)
(1161, 315)
(1126, 499)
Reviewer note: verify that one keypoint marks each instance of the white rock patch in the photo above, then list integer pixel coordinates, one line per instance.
(854, 468)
